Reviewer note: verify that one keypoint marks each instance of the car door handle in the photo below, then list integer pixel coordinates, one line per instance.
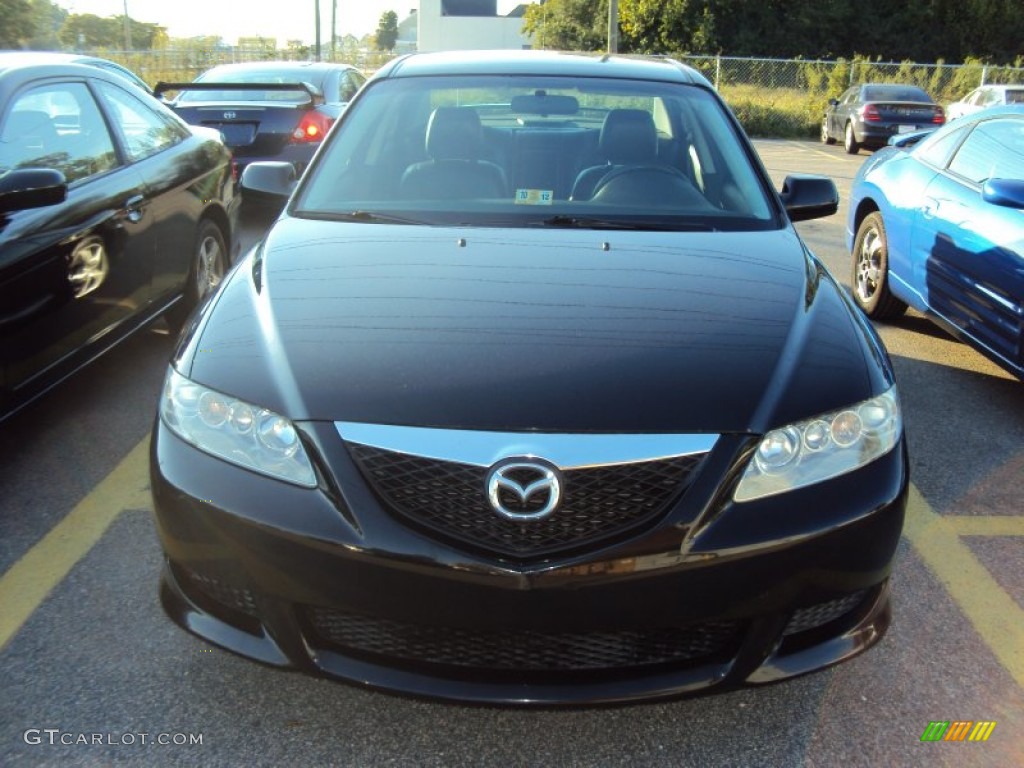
(133, 208)
(930, 208)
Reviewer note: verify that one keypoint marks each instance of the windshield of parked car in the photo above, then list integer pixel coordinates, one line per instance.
(249, 75)
(538, 151)
(896, 93)
(1015, 96)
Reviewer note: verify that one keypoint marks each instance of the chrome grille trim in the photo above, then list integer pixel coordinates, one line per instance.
(566, 451)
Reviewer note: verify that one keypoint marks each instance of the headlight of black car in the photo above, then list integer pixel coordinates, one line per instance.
(822, 447)
(236, 431)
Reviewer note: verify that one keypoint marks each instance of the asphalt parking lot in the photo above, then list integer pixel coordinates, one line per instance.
(94, 674)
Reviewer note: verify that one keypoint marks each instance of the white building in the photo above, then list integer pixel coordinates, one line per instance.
(454, 25)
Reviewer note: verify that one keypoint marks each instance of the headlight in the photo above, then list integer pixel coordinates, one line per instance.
(235, 431)
(826, 446)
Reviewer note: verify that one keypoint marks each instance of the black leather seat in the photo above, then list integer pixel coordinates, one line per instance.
(455, 170)
(628, 137)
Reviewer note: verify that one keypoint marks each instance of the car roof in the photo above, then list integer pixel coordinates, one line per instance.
(541, 63)
(18, 59)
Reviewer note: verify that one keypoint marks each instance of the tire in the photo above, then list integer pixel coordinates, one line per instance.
(871, 271)
(850, 140)
(825, 137)
(207, 269)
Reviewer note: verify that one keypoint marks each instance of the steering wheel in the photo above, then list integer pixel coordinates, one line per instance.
(647, 184)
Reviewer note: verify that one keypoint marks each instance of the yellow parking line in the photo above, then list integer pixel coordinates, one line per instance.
(24, 587)
(987, 525)
(993, 613)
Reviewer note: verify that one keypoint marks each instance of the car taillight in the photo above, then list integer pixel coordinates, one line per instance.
(871, 113)
(312, 127)
(939, 117)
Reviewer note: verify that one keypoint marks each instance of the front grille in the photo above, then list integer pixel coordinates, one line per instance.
(449, 499)
(523, 650)
(822, 613)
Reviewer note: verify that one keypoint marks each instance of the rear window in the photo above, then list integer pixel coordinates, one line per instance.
(296, 96)
(530, 150)
(896, 93)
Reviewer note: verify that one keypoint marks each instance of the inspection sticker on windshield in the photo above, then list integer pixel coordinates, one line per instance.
(534, 197)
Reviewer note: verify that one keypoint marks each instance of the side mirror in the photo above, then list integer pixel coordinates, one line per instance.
(1009, 193)
(31, 188)
(809, 197)
(833, 102)
(269, 179)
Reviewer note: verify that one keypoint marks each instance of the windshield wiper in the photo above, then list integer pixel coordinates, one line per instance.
(374, 217)
(593, 222)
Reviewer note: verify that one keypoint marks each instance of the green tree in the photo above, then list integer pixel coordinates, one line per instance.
(668, 26)
(47, 19)
(86, 30)
(568, 25)
(16, 26)
(387, 31)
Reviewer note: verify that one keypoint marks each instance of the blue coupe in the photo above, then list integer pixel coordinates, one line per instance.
(940, 227)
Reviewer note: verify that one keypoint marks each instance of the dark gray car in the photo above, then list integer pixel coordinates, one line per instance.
(867, 115)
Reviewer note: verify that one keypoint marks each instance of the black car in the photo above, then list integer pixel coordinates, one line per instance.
(868, 115)
(533, 394)
(275, 110)
(112, 212)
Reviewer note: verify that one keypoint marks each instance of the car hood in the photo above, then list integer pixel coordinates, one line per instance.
(524, 329)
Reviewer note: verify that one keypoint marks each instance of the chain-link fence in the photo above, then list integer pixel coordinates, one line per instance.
(787, 97)
(782, 98)
(184, 65)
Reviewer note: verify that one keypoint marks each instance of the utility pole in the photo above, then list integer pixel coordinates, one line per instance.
(127, 29)
(613, 26)
(334, 27)
(316, 6)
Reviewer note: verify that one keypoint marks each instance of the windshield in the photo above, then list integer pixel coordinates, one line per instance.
(538, 151)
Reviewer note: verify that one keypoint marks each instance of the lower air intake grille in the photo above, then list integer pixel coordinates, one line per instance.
(449, 499)
(822, 613)
(223, 592)
(521, 650)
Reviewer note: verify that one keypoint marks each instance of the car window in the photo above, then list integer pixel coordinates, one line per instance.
(896, 93)
(144, 130)
(57, 125)
(937, 149)
(350, 83)
(519, 151)
(987, 97)
(1015, 95)
(993, 150)
(279, 77)
(850, 96)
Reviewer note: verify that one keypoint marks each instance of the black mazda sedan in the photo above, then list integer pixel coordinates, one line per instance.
(533, 395)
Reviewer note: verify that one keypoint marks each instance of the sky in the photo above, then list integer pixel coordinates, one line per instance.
(231, 19)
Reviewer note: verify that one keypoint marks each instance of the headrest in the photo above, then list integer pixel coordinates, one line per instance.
(28, 123)
(629, 136)
(453, 133)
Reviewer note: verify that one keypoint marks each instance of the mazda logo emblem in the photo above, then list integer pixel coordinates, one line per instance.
(524, 489)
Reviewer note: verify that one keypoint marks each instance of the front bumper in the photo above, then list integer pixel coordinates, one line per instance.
(712, 596)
